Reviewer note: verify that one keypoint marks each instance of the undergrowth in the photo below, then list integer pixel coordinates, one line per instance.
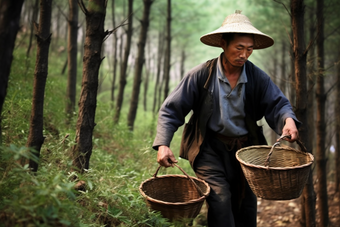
(121, 160)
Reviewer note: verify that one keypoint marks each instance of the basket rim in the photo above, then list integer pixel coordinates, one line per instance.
(192, 201)
(274, 168)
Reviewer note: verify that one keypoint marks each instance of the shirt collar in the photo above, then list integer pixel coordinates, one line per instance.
(220, 74)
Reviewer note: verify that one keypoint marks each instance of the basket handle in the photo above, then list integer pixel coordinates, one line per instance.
(196, 186)
(302, 147)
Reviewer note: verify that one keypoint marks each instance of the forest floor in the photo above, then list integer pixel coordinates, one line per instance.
(287, 213)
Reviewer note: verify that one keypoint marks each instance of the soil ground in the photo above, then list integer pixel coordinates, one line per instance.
(287, 213)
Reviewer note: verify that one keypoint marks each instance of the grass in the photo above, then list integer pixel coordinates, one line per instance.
(120, 161)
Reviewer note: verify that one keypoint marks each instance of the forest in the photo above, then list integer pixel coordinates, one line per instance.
(81, 83)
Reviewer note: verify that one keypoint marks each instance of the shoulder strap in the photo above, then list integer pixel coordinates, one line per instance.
(211, 65)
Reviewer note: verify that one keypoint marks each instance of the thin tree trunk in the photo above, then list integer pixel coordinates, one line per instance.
(311, 98)
(160, 100)
(300, 57)
(321, 97)
(72, 50)
(337, 154)
(283, 68)
(291, 87)
(167, 58)
(292, 81)
(147, 76)
(181, 71)
(10, 12)
(158, 72)
(139, 64)
(82, 42)
(121, 47)
(33, 20)
(64, 67)
(55, 44)
(124, 64)
(35, 136)
(115, 39)
(95, 17)
(275, 80)
(311, 83)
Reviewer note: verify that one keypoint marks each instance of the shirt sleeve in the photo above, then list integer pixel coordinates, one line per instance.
(176, 106)
(276, 106)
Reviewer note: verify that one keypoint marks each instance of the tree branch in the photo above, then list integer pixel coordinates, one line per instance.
(277, 1)
(108, 33)
(82, 7)
(331, 88)
(310, 44)
(62, 12)
(290, 38)
(331, 33)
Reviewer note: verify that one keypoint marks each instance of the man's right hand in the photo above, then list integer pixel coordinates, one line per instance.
(165, 157)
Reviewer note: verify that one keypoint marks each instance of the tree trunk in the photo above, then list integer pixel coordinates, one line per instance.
(321, 160)
(147, 77)
(123, 68)
(337, 138)
(283, 68)
(160, 88)
(181, 71)
(10, 12)
(72, 51)
(139, 64)
(82, 41)
(33, 19)
(64, 67)
(291, 86)
(57, 36)
(115, 39)
(95, 17)
(158, 72)
(311, 82)
(275, 80)
(35, 136)
(300, 56)
(167, 58)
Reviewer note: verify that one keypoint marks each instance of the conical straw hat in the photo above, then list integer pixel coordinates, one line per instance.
(237, 23)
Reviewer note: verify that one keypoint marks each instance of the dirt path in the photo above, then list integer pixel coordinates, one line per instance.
(287, 213)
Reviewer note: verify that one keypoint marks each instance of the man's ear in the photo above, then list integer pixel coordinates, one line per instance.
(223, 43)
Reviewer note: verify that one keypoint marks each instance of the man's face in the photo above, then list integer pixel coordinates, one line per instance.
(238, 50)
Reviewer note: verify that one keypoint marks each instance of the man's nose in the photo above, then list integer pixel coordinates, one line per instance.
(243, 54)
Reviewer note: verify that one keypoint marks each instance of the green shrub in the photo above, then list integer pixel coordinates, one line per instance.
(27, 199)
(121, 160)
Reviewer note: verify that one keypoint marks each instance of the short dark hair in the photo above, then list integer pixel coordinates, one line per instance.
(228, 37)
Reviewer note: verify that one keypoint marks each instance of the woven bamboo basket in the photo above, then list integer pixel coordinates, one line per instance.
(175, 196)
(275, 173)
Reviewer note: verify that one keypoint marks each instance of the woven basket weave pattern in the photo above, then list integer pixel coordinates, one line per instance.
(285, 176)
(175, 196)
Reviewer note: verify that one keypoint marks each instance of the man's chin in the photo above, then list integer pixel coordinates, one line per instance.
(239, 63)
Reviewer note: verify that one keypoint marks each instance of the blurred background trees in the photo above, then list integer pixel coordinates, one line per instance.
(146, 47)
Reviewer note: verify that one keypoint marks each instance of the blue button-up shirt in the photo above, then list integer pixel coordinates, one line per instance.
(228, 113)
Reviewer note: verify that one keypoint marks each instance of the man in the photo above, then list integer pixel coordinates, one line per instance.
(227, 96)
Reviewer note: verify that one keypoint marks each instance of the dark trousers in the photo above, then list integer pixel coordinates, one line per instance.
(231, 202)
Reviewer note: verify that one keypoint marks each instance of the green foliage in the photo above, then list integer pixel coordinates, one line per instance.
(44, 199)
(121, 160)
